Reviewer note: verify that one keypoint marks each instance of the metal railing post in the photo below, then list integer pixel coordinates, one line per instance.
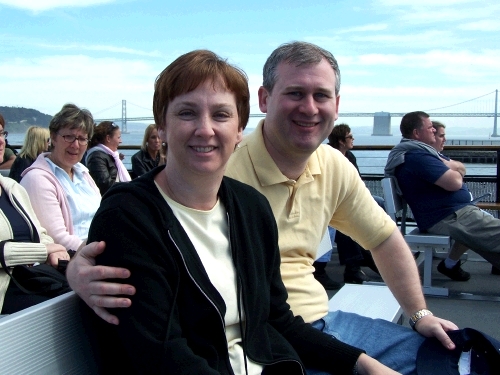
(498, 173)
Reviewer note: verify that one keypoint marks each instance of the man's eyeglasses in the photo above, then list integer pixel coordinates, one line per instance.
(71, 138)
(4, 134)
(349, 136)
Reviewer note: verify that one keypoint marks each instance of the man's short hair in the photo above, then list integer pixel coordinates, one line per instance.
(412, 121)
(339, 132)
(297, 54)
(436, 125)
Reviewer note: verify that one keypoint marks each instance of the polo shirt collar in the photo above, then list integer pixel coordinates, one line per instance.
(266, 169)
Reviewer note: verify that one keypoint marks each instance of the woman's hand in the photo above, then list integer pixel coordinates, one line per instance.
(370, 366)
(54, 253)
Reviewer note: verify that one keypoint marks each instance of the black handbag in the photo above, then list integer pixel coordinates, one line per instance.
(40, 279)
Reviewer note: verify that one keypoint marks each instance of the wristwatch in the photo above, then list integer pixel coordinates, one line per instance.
(417, 316)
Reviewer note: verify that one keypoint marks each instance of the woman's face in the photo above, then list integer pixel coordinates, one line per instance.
(154, 141)
(202, 128)
(349, 141)
(66, 154)
(114, 140)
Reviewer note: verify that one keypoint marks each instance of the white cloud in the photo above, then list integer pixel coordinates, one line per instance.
(426, 3)
(485, 25)
(41, 5)
(425, 39)
(464, 64)
(384, 82)
(101, 48)
(363, 28)
(95, 83)
(419, 15)
(443, 11)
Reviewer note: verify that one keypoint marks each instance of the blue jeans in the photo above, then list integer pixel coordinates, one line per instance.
(391, 344)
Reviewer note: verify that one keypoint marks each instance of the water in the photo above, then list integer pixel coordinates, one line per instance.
(373, 162)
(369, 162)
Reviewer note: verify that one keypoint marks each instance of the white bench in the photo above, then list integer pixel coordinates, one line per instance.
(415, 239)
(47, 338)
(374, 301)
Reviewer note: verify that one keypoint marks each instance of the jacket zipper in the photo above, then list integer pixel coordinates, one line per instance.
(245, 309)
(196, 283)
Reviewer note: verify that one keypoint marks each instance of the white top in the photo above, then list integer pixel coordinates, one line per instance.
(208, 231)
(83, 200)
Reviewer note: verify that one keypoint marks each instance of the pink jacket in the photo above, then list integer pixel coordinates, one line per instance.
(50, 203)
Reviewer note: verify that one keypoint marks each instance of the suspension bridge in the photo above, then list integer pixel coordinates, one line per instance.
(481, 106)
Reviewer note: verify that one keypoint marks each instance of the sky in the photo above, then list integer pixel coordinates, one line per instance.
(394, 55)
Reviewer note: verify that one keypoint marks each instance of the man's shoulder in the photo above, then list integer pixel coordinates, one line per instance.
(328, 156)
(241, 188)
(422, 157)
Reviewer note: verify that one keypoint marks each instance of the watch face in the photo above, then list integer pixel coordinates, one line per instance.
(417, 316)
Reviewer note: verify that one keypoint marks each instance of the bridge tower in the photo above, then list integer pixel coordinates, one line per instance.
(124, 116)
(495, 134)
(382, 123)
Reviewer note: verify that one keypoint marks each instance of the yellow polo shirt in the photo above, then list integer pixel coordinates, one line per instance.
(329, 192)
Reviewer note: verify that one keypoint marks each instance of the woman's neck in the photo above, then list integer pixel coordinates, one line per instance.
(199, 194)
(69, 171)
(153, 153)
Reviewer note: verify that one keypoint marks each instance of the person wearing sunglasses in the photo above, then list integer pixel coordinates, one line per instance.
(64, 195)
(103, 159)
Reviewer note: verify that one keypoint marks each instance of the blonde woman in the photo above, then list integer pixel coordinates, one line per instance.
(150, 155)
(36, 141)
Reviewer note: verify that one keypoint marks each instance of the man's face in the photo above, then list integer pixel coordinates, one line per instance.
(300, 110)
(425, 133)
(440, 139)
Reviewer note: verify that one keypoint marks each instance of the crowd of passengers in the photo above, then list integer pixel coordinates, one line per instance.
(64, 171)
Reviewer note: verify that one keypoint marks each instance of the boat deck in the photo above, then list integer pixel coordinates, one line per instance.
(474, 303)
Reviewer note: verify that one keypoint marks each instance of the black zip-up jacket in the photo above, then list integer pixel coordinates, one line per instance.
(103, 170)
(176, 322)
(142, 163)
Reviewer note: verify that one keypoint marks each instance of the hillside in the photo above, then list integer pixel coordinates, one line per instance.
(18, 119)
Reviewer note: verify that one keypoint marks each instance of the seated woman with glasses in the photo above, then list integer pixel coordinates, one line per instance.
(36, 141)
(103, 159)
(64, 195)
